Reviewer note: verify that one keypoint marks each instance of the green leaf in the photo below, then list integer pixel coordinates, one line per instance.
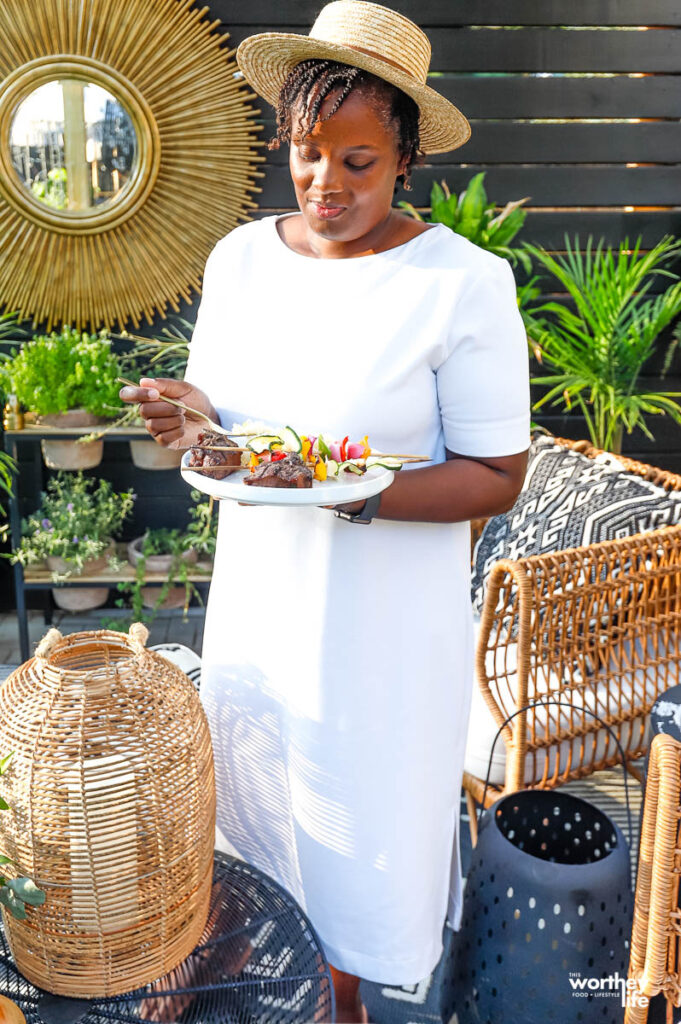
(26, 889)
(4, 859)
(437, 194)
(13, 903)
(440, 213)
(4, 806)
(5, 762)
(471, 206)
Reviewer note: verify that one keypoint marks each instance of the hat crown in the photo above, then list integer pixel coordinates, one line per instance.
(376, 30)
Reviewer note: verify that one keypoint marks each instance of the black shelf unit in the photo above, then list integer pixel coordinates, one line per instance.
(40, 580)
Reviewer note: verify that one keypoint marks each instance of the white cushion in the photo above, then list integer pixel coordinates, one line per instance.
(605, 700)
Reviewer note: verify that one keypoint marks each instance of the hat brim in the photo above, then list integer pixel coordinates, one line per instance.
(267, 58)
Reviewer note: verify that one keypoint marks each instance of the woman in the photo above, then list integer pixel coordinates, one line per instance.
(338, 662)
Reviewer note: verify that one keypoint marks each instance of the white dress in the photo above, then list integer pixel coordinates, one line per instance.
(338, 658)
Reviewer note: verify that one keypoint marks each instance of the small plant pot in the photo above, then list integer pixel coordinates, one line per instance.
(80, 599)
(156, 563)
(205, 565)
(149, 455)
(175, 597)
(72, 454)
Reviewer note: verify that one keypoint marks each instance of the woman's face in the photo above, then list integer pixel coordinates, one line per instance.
(344, 171)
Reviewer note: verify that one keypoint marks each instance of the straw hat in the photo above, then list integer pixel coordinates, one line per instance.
(368, 36)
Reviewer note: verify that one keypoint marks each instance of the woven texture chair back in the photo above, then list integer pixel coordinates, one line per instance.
(112, 797)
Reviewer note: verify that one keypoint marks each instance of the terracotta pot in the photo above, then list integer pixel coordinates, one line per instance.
(80, 599)
(156, 563)
(149, 455)
(72, 454)
(175, 597)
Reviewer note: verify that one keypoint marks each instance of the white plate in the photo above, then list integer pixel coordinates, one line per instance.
(322, 492)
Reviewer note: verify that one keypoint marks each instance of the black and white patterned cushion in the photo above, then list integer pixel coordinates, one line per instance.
(569, 500)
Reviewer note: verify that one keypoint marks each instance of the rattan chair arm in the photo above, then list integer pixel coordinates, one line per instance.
(514, 735)
(657, 881)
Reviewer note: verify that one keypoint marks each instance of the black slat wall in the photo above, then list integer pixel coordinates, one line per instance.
(582, 117)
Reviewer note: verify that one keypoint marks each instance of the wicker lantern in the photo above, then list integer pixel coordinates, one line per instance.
(113, 812)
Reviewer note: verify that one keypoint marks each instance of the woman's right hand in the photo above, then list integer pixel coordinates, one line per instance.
(168, 425)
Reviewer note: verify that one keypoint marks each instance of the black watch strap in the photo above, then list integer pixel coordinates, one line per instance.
(365, 514)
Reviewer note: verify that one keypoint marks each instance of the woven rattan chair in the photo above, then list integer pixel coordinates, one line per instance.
(596, 627)
(655, 960)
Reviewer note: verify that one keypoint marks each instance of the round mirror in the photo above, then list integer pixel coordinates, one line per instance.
(73, 146)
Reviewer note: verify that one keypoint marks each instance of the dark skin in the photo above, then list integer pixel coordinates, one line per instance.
(352, 160)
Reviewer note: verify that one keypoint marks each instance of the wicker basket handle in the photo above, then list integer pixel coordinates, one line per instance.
(138, 634)
(48, 643)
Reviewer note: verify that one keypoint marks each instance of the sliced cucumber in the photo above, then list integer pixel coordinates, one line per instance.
(385, 462)
(263, 442)
(351, 467)
(331, 467)
(292, 442)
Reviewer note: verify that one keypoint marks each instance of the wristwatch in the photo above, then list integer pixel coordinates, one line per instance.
(367, 512)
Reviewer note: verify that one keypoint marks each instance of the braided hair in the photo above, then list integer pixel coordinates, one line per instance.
(397, 110)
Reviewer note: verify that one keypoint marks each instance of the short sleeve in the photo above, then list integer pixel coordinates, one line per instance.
(483, 384)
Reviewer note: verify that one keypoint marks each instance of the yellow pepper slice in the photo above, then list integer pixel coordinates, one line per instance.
(253, 462)
(320, 470)
(367, 447)
(307, 447)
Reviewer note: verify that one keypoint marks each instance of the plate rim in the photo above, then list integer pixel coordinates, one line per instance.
(385, 478)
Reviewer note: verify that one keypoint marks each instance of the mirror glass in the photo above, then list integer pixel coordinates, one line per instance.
(73, 146)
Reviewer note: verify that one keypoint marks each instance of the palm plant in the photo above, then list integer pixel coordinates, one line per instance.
(595, 347)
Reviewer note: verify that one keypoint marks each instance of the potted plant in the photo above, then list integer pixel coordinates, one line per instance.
(72, 534)
(472, 215)
(162, 550)
(202, 531)
(66, 379)
(595, 348)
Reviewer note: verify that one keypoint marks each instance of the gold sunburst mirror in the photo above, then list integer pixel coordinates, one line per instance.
(127, 149)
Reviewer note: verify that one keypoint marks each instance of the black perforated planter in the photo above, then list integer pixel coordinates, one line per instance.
(547, 909)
